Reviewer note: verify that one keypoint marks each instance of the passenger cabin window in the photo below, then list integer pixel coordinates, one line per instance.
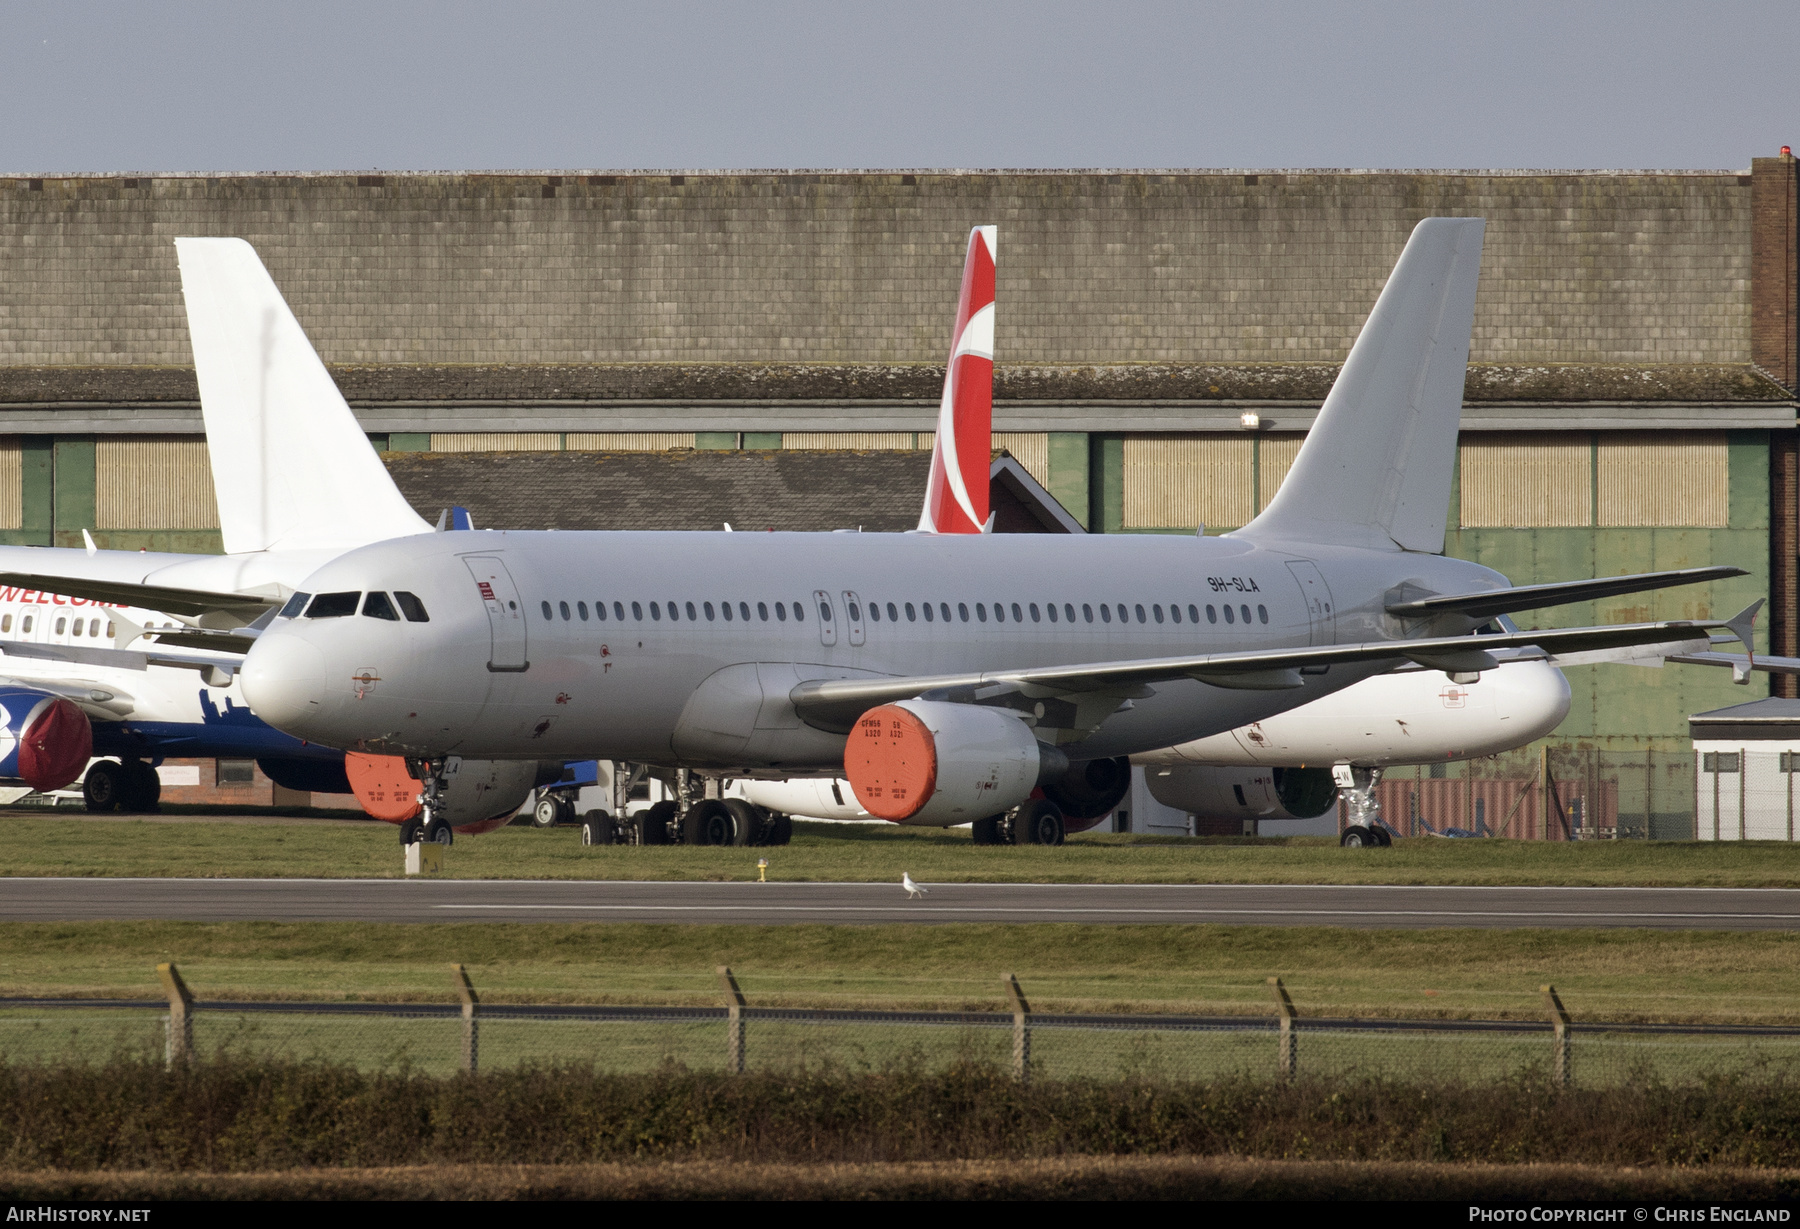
(60, 625)
(295, 605)
(77, 628)
(25, 627)
(563, 609)
(547, 615)
(5, 623)
(581, 609)
(411, 607)
(377, 606)
(333, 605)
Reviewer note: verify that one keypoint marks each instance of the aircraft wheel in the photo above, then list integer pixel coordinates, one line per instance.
(781, 829)
(708, 822)
(104, 785)
(596, 828)
(1383, 838)
(653, 824)
(1038, 822)
(986, 831)
(142, 788)
(410, 830)
(750, 823)
(548, 812)
(438, 832)
(1357, 837)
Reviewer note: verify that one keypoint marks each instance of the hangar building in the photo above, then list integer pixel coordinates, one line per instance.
(1630, 403)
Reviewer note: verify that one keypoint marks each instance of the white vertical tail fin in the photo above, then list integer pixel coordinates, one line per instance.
(291, 466)
(1375, 470)
(956, 497)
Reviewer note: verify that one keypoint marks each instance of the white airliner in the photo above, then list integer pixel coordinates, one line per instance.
(1283, 767)
(948, 674)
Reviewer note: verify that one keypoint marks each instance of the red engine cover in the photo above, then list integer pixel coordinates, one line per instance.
(57, 744)
(383, 786)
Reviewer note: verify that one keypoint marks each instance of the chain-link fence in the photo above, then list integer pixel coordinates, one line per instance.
(431, 1039)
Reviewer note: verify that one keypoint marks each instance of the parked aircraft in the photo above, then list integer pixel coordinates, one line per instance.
(951, 675)
(297, 484)
(1291, 766)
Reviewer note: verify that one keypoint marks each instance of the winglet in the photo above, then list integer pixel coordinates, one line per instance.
(87, 540)
(443, 520)
(1743, 626)
(956, 495)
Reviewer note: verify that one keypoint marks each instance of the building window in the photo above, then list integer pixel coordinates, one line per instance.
(235, 772)
(1719, 761)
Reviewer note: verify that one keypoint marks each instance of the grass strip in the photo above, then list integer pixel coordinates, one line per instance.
(253, 1117)
(39, 845)
(1077, 1177)
(1636, 975)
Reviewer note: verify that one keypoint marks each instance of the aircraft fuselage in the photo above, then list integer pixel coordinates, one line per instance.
(509, 667)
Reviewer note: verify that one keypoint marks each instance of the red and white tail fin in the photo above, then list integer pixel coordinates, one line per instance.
(956, 499)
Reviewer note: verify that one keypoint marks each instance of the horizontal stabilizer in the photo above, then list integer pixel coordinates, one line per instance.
(1491, 602)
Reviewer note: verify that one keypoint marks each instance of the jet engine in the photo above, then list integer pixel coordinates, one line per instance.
(474, 796)
(1088, 792)
(1259, 793)
(45, 741)
(931, 763)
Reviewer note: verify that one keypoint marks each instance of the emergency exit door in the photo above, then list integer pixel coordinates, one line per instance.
(506, 614)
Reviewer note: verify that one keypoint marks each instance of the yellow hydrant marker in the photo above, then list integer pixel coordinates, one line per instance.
(762, 870)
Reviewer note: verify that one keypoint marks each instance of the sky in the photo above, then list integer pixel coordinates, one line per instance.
(322, 86)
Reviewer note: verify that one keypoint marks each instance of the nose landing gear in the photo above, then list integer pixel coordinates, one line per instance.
(429, 824)
(1366, 828)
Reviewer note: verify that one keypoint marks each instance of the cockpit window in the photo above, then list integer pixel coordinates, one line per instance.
(411, 607)
(377, 606)
(295, 605)
(333, 605)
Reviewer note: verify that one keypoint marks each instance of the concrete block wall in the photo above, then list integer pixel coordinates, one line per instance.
(862, 268)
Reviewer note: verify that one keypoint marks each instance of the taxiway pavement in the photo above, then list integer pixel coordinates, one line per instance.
(465, 900)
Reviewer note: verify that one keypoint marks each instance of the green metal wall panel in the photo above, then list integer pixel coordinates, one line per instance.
(1068, 477)
(409, 441)
(716, 441)
(762, 439)
(72, 495)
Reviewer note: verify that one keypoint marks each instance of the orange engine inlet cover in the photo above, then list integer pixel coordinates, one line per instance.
(890, 760)
(383, 786)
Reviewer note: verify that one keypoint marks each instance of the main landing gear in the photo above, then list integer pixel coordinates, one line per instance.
(112, 785)
(1036, 821)
(1365, 829)
(697, 815)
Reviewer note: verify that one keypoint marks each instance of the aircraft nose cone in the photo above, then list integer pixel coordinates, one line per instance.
(283, 679)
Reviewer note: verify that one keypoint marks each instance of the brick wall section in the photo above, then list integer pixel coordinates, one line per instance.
(1775, 267)
(861, 268)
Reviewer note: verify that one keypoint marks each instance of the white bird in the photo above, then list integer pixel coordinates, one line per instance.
(913, 890)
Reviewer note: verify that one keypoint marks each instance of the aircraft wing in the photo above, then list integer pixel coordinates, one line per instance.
(835, 704)
(150, 597)
(1491, 602)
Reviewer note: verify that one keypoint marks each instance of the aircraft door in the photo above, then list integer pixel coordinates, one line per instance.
(827, 617)
(853, 617)
(1318, 602)
(506, 614)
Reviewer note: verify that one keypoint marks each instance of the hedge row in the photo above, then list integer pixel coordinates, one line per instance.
(237, 1117)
